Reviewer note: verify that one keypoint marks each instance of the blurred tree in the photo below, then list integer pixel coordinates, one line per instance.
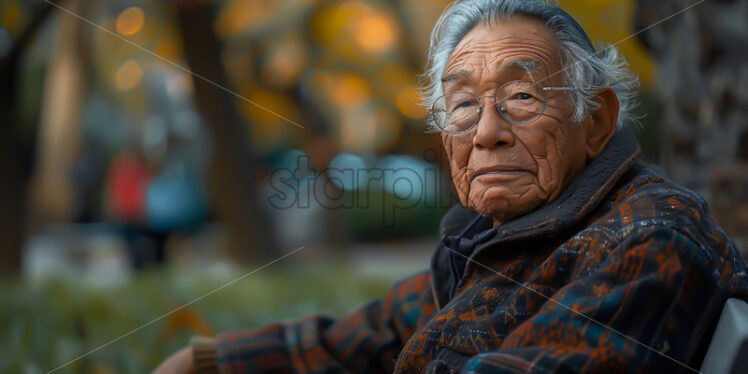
(701, 86)
(14, 144)
(58, 134)
(233, 171)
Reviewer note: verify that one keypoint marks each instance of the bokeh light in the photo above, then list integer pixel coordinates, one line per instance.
(130, 21)
(356, 30)
(409, 102)
(375, 33)
(350, 90)
(285, 64)
(128, 75)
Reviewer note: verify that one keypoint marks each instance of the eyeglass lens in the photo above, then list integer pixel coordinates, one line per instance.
(518, 102)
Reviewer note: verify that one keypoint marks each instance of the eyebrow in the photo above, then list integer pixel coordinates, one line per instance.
(526, 65)
(462, 73)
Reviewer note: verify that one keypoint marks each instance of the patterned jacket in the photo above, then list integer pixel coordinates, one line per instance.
(624, 272)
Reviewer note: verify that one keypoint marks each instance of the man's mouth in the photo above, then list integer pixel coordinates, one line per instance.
(500, 172)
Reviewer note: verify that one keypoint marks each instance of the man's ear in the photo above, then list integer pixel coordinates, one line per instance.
(600, 126)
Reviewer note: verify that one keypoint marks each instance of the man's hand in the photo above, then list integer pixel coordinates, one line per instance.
(178, 363)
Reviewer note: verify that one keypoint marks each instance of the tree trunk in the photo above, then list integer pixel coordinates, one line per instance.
(233, 170)
(14, 147)
(52, 194)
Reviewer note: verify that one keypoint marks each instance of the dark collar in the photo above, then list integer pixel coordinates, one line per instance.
(579, 198)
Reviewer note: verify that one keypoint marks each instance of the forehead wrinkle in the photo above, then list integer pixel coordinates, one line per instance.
(497, 66)
(528, 65)
(471, 46)
(543, 57)
(529, 49)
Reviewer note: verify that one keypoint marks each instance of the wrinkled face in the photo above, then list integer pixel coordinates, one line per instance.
(500, 169)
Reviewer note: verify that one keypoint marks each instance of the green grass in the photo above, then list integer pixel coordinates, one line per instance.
(46, 325)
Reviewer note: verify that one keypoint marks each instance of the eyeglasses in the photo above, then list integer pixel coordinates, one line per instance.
(518, 102)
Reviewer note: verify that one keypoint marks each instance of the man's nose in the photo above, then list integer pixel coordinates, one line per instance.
(492, 129)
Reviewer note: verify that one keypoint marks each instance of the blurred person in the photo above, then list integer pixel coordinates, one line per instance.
(566, 254)
(125, 200)
(85, 177)
(126, 183)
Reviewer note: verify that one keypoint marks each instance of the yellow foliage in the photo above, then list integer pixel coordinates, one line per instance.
(611, 22)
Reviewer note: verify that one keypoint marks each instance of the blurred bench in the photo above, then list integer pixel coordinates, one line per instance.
(728, 350)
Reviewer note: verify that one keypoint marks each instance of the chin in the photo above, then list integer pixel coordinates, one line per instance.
(503, 206)
(499, 215)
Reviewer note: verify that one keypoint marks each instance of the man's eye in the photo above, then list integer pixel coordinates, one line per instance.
(523, 96)
(462, 105)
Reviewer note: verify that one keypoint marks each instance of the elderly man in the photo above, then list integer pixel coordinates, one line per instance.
(566, 254)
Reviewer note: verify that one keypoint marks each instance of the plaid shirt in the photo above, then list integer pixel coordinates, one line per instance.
(624, 272)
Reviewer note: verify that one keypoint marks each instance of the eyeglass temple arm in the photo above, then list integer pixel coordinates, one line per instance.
(571, 88)
(558, 88)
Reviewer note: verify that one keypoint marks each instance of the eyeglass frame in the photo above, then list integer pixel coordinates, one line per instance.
(497, 105)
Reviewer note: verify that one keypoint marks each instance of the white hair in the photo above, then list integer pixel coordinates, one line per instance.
(584, 68)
